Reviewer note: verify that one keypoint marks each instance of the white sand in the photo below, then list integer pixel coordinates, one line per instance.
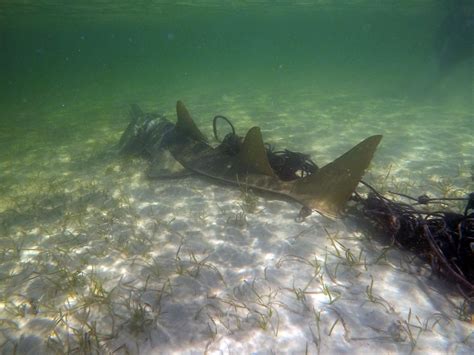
(103, 258)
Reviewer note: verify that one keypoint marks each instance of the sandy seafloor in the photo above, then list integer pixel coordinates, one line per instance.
(95, 256)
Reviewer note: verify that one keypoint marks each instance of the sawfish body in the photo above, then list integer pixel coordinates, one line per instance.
(327, 190)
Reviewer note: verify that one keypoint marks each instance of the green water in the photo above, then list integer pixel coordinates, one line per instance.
(317, 76)
(68, 70)
(65, 58)
(211, 49)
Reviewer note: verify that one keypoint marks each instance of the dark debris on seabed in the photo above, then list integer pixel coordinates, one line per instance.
(443, 238)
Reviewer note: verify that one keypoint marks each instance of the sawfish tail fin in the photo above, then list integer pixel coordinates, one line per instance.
(328, 189)
(186, 125)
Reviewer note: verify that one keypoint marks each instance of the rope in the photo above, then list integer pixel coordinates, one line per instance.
(214, 128)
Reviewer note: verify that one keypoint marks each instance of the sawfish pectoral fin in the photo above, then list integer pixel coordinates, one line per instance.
(253, 155)
(165, 166)
(186, 125)
(328, 190)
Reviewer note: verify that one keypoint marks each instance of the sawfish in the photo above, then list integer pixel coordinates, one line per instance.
(326, 191)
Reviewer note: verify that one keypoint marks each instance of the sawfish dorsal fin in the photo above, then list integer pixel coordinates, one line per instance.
(328, 190)
(186, 125)
(253, 156)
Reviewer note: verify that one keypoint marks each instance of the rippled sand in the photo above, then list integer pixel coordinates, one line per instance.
(96, 256)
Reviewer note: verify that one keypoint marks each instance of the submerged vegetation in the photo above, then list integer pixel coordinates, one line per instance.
(95, 257)
(119, 263)
(91, 268)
